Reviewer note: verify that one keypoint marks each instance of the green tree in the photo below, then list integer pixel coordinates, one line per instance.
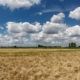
(72, 44)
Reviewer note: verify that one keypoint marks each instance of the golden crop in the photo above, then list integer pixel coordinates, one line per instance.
(39, 64)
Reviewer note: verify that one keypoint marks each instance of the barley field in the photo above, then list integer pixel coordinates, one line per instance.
(39, 64)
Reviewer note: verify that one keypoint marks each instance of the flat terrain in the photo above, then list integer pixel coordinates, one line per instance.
(39, 64)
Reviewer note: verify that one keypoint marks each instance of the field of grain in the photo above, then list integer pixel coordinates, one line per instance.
(39, 64)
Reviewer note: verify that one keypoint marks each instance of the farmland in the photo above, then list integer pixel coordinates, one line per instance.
(39, 64)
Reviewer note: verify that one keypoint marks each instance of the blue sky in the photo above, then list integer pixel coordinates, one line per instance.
(30, 13)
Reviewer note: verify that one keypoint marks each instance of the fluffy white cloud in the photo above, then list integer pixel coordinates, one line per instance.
(6, 40)
(51, 33)
(57, 33)
(53, 28)
(58, 18)
(26, 27)
(75, 14)
(55, 25)
(73, 31)
(14, 27)
(50, 39)
(18, 33)
(12, 4)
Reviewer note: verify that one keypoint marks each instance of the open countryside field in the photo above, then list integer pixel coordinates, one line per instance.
(39, 64)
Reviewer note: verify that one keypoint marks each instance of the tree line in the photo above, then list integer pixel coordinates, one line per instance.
(71, 45)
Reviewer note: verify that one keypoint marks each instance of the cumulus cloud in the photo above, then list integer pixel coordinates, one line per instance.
(26, 27)
(6, 40)
(50, 39)
(53, 28)
(75, 14)
(73, 31)
(58, 18)
(51, 33)
(55, 25)
(56, 33)
(18, 33)
(12, 4)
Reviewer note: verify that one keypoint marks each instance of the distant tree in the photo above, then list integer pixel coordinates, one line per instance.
(40, 46)
(15, 46)
(72, 44)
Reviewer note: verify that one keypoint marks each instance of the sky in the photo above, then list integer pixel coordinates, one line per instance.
(34, 22)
